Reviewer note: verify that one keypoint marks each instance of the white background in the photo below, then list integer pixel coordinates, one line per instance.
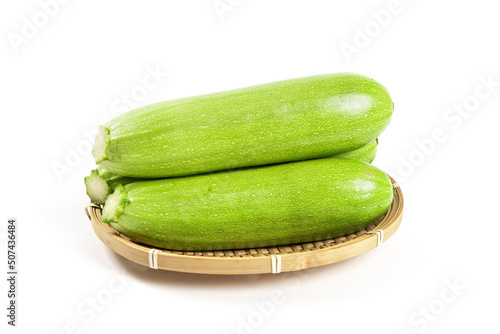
(73, 70)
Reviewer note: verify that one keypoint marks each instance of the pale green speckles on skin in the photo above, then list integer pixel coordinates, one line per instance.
(290, 120)
(254, 207)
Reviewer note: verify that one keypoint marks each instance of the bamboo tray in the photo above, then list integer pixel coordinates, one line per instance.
(254, 261)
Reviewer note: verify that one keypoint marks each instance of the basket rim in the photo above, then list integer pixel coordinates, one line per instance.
(254, 260)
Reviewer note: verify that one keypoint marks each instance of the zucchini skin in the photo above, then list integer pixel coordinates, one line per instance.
(366, 153)
(287, 203)
(291, 120)
(102, 183)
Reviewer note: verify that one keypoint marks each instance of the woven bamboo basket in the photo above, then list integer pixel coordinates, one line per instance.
(254, 261)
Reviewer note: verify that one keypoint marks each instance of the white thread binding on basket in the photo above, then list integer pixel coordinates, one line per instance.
(275, 264)
(395, 185)
(380, 236)
(153, 258)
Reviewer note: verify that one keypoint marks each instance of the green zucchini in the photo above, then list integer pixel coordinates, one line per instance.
(286, 203)
(101, 183)
(367, 153)
(292, 120)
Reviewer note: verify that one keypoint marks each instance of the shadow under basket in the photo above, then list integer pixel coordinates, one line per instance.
(255, 260)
